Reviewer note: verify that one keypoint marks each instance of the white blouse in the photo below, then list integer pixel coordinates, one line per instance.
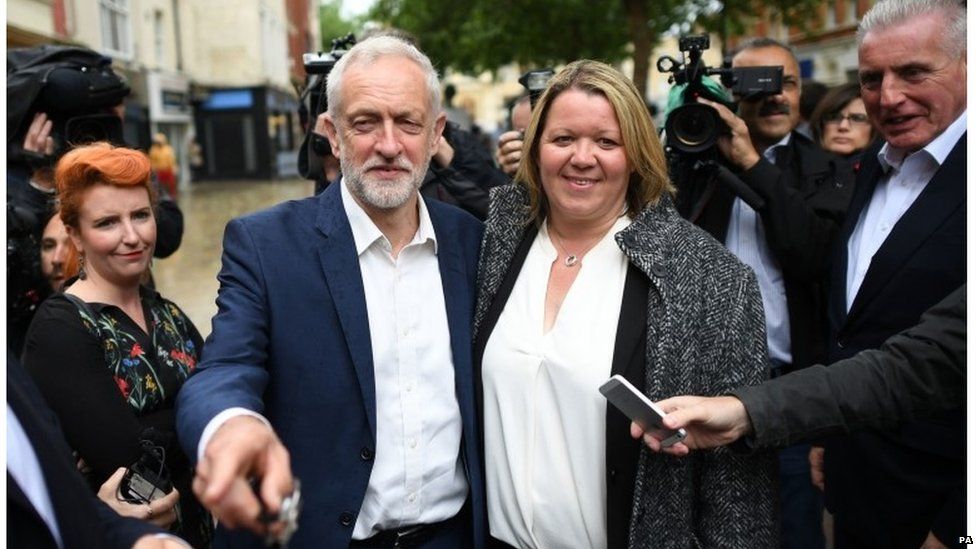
(545, 419)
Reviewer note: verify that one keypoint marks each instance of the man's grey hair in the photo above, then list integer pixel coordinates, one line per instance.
(889, 13)
(368, 51)
(765, 42)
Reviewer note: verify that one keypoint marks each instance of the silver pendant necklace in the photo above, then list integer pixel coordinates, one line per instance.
(572, 259)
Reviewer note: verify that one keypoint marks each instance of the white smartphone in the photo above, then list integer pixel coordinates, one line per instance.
(640, 410)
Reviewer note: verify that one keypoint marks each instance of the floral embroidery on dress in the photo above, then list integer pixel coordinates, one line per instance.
(146, 379)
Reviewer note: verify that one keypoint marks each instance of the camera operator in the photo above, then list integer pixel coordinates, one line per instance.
(804, 193)
(57, 97)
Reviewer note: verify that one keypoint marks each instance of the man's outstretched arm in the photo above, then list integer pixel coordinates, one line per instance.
(919, 371)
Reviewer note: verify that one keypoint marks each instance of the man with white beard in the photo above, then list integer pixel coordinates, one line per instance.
(341, 350)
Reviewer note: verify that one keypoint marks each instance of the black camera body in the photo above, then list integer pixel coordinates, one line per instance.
(318, 65)
(535, 82)
(693, 128)
(147, 479)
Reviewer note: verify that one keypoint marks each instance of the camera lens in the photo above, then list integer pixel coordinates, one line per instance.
(692, 128)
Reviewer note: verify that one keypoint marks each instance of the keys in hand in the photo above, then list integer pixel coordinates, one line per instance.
(291, 508)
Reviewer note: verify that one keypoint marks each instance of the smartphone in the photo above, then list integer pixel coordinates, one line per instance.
(640, 410)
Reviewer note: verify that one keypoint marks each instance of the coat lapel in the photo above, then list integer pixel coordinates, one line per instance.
(866, 180)
(344, 280)
(458, 303)
(943, 195)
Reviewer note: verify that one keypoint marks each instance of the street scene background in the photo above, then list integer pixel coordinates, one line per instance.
(222, 79)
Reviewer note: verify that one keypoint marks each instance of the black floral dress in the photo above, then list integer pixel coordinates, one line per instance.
(111, 384)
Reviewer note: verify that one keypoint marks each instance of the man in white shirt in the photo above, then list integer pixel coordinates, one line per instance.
(786, 242)
(902, 249)
(344, 335)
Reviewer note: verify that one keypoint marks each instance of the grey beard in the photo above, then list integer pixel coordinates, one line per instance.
(383, 196)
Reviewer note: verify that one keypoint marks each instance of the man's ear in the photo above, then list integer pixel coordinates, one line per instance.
(326, 126)
(439, 124)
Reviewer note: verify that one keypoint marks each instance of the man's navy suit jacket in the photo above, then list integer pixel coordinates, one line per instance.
(83, 520)
(291, 340)
(893, 487)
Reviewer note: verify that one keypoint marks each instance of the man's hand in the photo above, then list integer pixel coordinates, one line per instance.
(444, 154)
(38, 138)
(816, 466)
(244, 448)
(509, 152)
(932, 542)
(737, 146)
(159, 542)
(161, 512)
(710, 422)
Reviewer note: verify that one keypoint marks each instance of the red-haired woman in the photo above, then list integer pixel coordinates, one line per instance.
(108, 354)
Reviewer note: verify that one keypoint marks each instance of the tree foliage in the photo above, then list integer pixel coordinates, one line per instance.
(479, 35)
(332, 24)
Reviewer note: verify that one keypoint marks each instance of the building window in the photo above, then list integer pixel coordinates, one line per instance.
(116, 36)
(159, 39)
(851, 11)
(832, 15)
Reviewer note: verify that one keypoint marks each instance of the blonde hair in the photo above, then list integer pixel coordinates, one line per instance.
(645, 155)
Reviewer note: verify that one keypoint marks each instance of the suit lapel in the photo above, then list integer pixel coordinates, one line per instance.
(943, 195)
(458, 304)
(867, 180)
(344, 280)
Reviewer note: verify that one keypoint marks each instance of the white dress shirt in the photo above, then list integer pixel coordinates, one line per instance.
(906, 176)
(746, 239)
(545, 419)
(24, 467)
(417, 475)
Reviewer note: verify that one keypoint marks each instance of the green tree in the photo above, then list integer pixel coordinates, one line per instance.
(332, 24)
(479, 35)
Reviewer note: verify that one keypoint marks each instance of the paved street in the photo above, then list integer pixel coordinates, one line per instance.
(189, 276)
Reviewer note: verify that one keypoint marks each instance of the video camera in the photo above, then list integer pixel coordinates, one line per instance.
(535, 82)
(75, 87)
(314, 100)
(693, 128)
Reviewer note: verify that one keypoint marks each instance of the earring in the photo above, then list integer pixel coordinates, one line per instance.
(82, 275)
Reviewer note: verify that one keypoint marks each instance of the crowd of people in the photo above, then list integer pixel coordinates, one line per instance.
(415, 352)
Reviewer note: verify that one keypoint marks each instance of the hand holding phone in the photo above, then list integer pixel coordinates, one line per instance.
(635, 405)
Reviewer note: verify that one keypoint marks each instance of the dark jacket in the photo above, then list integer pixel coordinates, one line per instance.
(918, 372)
(291, 341)
(83, 520)
(892, 488)
(807, 193)
(690, 323)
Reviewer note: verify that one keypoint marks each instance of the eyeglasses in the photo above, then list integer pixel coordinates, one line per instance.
(837, 118)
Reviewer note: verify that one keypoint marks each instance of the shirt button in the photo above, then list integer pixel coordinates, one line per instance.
(413, 443)
(412, 497)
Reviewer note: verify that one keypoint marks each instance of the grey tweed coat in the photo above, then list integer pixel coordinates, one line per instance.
(705, 336)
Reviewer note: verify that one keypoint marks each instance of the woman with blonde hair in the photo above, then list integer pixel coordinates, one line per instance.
(109, 354)
(588, 271)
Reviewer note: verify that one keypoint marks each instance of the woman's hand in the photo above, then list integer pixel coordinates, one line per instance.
(161, 512)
